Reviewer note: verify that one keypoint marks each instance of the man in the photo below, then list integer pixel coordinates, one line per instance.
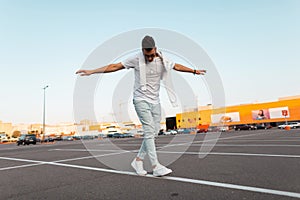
(150, 67)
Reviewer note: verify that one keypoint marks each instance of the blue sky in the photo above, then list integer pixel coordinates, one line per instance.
(254, 44)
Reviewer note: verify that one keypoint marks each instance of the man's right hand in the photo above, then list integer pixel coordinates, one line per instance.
(84, 72)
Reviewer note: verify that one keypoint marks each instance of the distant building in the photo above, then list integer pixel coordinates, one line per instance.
(6, 128)
(274, 113)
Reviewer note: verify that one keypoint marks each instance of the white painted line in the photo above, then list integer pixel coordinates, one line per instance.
(65, 160)
(231, 154)
(21, 160)
(19, 166)
(192, 143)
(262, 140)
(237, 187)
(218, 139)
(248, 145)
(80, 150)
(179, 179)
(42, 162)
(175, 152)
(9, 148)
(94, 156)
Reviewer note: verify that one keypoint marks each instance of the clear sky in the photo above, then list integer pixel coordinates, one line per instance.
(254, 44)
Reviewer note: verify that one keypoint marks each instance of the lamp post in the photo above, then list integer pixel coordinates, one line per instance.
(44, 112)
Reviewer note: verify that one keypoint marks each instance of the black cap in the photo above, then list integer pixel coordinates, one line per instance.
(148, 42)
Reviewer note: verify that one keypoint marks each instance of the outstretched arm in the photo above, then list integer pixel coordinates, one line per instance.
(181, 68)
(106, 69)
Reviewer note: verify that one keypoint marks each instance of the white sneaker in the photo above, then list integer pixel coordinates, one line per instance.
(138, 167)
(161, 170)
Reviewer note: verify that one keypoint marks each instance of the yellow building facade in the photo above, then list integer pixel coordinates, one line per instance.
(285, 109)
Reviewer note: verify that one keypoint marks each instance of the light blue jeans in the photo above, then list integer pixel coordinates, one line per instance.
(150, 116)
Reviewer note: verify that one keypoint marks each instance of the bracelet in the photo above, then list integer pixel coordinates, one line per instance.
(194, 71)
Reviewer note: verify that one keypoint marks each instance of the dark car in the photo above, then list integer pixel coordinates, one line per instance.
(48, 139)
(128, 135)
(27, 139)
(263, 126)
(117, 135)
(161, 132)
(202, 130)
(245, 127)
(87, 137)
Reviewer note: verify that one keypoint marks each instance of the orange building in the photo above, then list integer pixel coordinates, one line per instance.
(285, 109)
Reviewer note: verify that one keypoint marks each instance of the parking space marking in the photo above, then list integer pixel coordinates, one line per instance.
(177, 152)
(249, 145)
(100, 150)
(231, 154)
(237, 187)
(160, 145)
(170, 178)
(20, 166)
(263, 140)
(9, 148)
(94, 156)
(64, 160)
(217, 139)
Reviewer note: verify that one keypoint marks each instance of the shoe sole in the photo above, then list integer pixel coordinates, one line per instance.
(169, 172)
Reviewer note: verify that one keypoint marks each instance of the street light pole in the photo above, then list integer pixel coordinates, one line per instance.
(44, 112)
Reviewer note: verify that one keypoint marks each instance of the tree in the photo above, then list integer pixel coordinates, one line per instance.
(16, 134)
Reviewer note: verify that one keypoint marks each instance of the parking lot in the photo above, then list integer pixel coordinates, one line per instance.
(256, 164)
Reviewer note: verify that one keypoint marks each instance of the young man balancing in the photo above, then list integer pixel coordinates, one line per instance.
(150, 66)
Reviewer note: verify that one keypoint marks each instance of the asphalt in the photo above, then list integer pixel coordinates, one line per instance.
(261, 164)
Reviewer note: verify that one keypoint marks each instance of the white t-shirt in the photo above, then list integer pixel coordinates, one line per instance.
(154, 71)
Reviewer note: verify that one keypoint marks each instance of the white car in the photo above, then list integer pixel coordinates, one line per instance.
(291, 125)
(167, 133)
(223, 128)
(13, 139)
(3, 137)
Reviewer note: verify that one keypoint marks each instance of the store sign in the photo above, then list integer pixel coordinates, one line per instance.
(285, 113)
(279, 112)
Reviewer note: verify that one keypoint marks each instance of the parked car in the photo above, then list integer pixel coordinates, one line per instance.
(12, 139)
(76, 137)
(48, 139)
(167, 133)
(290, 124)
(185, 131)
(263, 126)
(3, 137)
(101, 135)
(110, 135)
(67, 138)
(202, 130)
(57, 138)
(223, 128)
(128, 135)
(213, 129)
(27, 139)
(244, 127)
(161, 132)
(87, 137)
(118, 135)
